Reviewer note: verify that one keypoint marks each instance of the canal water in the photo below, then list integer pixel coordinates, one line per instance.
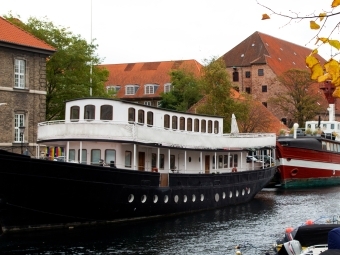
(254, 226)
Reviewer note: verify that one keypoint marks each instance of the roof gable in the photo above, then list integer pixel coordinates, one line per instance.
(13, 35)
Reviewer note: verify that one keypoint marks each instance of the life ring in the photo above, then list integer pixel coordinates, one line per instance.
(234, 170)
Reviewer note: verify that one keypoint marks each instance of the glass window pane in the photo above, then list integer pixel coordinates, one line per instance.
(95, 156)
(106, 112)
(110, 155)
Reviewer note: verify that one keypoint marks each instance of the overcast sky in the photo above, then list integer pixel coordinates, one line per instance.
(129, 31)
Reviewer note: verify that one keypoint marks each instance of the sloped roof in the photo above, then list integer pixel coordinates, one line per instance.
(146, 73)
(13, 35)
(260, 48)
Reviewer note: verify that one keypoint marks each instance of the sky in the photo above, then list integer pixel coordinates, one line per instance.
(130, 31)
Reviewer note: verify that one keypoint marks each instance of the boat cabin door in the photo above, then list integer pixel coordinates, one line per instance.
(141, 161)
(206, 164)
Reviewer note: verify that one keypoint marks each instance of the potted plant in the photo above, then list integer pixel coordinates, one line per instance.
(308, 132)
(282, 132)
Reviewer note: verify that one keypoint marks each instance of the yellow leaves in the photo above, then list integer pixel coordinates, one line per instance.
(335, 44)
(314, 25)
(265, 16)
(322, 39)
(335, 3)
(322, 15)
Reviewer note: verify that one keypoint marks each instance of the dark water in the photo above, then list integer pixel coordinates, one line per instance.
(255, 226)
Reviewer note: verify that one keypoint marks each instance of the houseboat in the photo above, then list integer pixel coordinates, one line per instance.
(124, 161)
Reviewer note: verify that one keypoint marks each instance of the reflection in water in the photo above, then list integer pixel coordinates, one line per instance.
(255, 226)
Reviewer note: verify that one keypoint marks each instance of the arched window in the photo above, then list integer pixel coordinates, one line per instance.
(166, 121)
(106, 112)
(149, 118)
(74, 113)
(140, 116)
(203, 126)
(216, 131)
(196, 125)
(89, 113)
(132, 115)
(182, 123)
(174, 122)
(189, 124)
(209, 126)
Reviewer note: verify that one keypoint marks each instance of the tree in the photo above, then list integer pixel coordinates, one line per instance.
(72, 71)
(298, 101)
(184, 92)
(331, 69)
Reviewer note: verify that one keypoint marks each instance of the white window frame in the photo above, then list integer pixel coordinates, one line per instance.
(131, 89)
(167, 87)
(147, 103)
(149, 89)
(114, 88)
(19, 119)
(19, 73)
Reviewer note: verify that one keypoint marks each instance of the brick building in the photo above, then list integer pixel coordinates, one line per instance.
(22, 87)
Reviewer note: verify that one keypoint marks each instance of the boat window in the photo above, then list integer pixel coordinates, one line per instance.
(324, 125)
(220, 161)
(196, 125)
(235, 160)
(182, 123)
(110, 155)
(338, 147)
(149, 118)
(172, 162)
(309, 126)
(74, 113)
(166, 121)
(140, 117)
(189, 124)
(95, 157)
(153, 160)
(161, 161)
(106, 112)
(174, 122)
(203, 126)
(209, 126)
(225, 161)
(216, 127)
(231, 161)
(324, 147)
(71, 155)
(332, 126)
(83, 156)
(89, 112)
(128, 158)
(132, 113)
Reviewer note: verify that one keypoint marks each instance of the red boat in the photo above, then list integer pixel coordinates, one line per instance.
(312, 160)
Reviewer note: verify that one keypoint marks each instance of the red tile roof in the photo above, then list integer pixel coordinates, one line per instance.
(12, 34)
(146, 73)
(261, 48)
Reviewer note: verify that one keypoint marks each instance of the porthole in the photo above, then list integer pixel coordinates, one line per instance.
(166, 199)
(217, 197)
(202, 197)
(193, 198)
(230, 194)
(185, 198)
(243, 192)
(155, 199)
(143, 199)
(236, 193)
(131, 198)
(176, 199)
(223, 195)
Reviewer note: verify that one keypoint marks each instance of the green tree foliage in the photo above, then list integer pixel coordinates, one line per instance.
(184, 92)
(71, 71)
(298, 101)
(218, 100)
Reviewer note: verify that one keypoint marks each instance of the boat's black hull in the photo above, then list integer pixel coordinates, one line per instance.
(38, 194)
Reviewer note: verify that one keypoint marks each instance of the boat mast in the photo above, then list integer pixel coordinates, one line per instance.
(91, 56)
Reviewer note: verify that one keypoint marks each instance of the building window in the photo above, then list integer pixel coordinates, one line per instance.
(106, 112)
(131, 89)
(150, 88)
(75, 113)
(19, 121)
(167, 121)
(209, 126)
(19, 73)
(128, 158)
(189, 124)
(248, 90)
(174, 122)
(112, 88)
(149, 118)
(247, 74)
(159, 103)
(260, 72)
(95, 157)
(181, 123)
(147, 103)
(89, 112)
(196, 125)
(264, 88)
(235, 76)
(167, 87)
(216, 127)
(83, 156)
(110, 155)
(140, 117)
(265, 104)
(203, 126)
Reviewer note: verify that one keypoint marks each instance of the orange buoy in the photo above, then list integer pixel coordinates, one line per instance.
(309, 222)
(289, 230)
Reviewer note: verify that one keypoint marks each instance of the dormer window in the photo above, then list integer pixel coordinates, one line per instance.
(131, 89)
(150, 88)
(113, 88)
(167, 87)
